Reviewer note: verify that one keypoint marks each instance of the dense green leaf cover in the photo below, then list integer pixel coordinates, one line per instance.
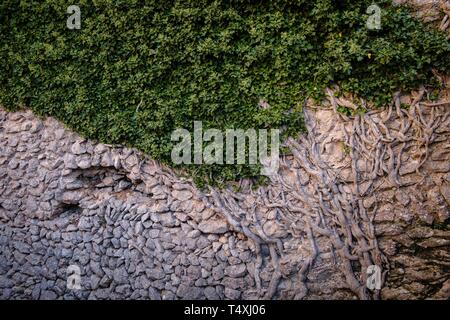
(137, 70)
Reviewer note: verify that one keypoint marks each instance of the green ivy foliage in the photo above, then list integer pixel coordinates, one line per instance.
(137, 70)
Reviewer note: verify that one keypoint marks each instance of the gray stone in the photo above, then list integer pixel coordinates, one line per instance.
(138, 228)
(167, 295)
(48, 295)
(107, 160)
(155, 274)
(273, 229)
(94, 281)
(144, 282)
(217, 272)
(123, 290)
(188, 293)
(205, 273)
(84, 223)
(200, 282)
(66, 253)
(182, 195)
(117, 232)
(194, 234)
(84, 162)
(72, 197)
(194, 272)
(52, 264)
(70, 161)
(154, 294)
(166, 220)
(36, 293)
(154, 233)
(120, 276)
(100, 149)
(78, 148)
(158, 208)
(202, 242)
(105, 282)
(211, 293)
(147, 224)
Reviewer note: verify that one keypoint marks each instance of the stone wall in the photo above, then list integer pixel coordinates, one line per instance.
(371, 189)
(134, 230)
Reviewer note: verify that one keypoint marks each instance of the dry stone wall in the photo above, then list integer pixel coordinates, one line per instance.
(134, 230)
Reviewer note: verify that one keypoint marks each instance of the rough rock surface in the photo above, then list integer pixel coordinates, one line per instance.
(371, 189)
